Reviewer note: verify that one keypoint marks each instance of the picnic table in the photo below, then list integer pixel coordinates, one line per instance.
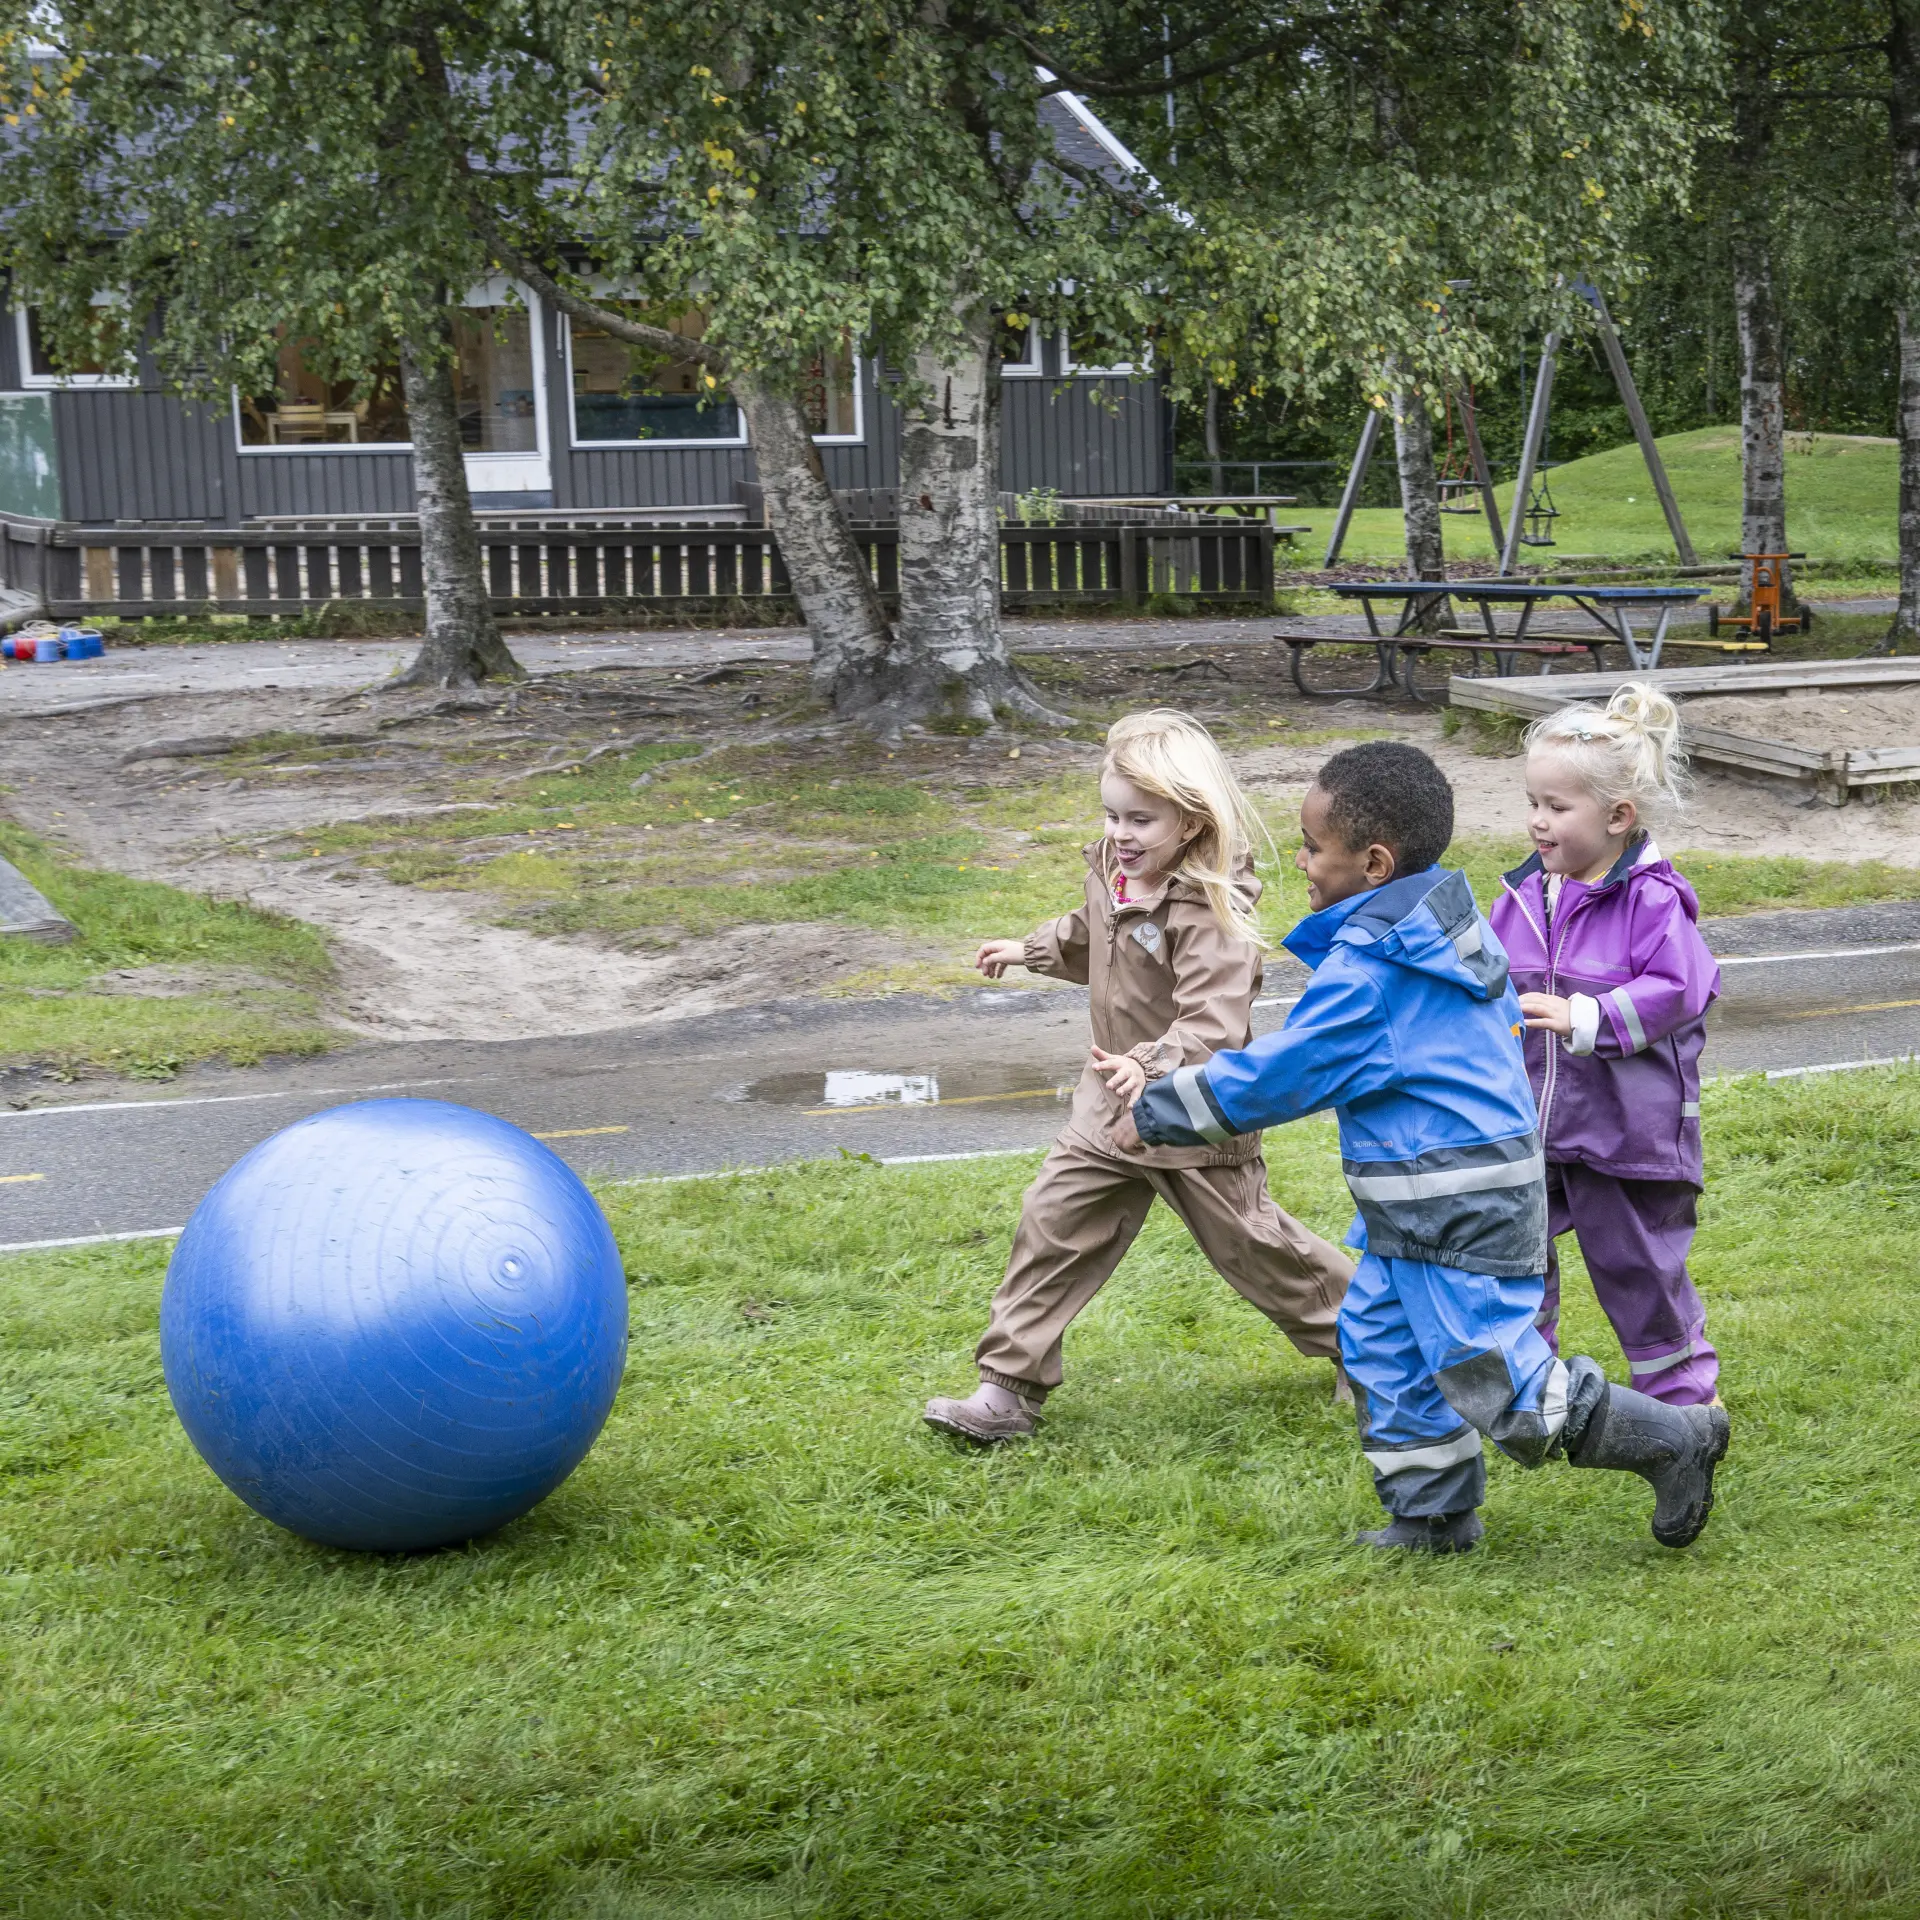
(1325, 664)
(1243, 506)
(1611, 609)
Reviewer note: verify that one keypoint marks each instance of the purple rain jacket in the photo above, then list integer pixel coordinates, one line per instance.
(1622, 1094)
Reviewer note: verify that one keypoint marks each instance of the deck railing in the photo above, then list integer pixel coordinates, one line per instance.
(576, 566)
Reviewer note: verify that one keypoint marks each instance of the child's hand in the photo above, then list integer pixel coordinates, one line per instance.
(1548, 1010)
(996, 956)
(1126, 1077)
(1124, 1134)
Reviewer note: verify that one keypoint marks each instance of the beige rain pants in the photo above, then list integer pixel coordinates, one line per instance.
(1081, 1215)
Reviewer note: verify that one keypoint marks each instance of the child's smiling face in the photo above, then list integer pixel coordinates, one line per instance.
(1145, 831)
(1573, 830)
(1334, 870)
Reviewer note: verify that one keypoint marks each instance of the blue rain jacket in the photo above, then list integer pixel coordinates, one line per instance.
(1410, 1032)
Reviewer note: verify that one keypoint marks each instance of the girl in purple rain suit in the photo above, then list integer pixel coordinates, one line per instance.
(1615, 982)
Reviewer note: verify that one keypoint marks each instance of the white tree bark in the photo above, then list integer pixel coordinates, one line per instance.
(463, 644)
(1420, 497)
(831, 581)
(1763, 452)
(838, 601)
(949, 655)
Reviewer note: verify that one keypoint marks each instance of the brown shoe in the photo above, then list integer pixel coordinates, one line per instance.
(985, 1426)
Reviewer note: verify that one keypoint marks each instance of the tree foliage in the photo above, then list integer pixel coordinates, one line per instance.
(236, 178)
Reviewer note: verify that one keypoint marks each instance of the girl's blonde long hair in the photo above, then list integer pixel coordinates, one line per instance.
(1172, 756)
(1628, 751)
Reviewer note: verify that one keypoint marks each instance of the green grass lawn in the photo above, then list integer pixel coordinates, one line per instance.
(1842, 505)
(776, 1650)
(742, 838)
(214, 979)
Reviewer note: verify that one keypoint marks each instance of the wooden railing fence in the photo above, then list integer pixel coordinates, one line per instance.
(561, 566)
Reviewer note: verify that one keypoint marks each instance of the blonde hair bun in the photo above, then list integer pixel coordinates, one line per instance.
(1628, 750)
(1172, 756)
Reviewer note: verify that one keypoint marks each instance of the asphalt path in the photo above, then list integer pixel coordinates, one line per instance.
(898, 1081)
(126, 676)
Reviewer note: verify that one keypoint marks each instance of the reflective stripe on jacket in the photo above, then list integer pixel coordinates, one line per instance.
(1410, 1032)
(1622, 1094)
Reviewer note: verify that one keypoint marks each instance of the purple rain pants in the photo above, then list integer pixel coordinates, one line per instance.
(1634, 1236)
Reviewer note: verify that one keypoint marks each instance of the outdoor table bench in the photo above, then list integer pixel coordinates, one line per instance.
(1611, 609)
(1396, 660)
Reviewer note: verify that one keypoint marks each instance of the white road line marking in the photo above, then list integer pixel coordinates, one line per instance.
(1824, 953)
(94, 1239)
(787, 1166)
(979, 1153)
(19, 1179)
(1836, 1066)
(231, 1099)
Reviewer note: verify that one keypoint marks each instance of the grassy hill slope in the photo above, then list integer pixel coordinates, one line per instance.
(1842, 503)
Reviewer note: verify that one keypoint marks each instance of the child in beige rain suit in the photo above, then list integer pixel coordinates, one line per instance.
(1165, 942)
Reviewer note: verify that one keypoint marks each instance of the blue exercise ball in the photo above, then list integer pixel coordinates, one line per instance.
(395, 1325)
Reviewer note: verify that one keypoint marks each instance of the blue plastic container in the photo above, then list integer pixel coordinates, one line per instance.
(49, 647)
(395, 1325)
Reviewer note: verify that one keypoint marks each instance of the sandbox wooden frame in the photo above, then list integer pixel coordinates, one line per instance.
(1834, 772)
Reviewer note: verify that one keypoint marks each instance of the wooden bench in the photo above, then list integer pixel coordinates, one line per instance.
(1717, 646)
(1396, 660)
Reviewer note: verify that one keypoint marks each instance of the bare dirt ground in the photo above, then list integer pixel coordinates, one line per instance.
(145, 788)
(412, 964)
(1726, 814)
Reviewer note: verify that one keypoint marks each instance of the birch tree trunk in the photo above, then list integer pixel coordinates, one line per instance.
(1903, 102)
(1214, 475)
(949, 656)
(838, 600)
(463, 644)
(1420, 498)
(845, 621)
(1763, 460)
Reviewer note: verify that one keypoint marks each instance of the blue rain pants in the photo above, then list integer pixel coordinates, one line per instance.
(1438, 1357)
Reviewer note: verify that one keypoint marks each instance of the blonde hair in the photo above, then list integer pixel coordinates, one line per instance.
(1630, 750)
(1172, 756)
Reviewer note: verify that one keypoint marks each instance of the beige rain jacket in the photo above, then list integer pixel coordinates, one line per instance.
(1169, 984)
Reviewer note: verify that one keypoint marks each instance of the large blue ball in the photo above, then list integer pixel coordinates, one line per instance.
(395, 1325)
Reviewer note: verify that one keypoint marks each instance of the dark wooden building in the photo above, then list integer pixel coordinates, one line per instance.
(547, 427)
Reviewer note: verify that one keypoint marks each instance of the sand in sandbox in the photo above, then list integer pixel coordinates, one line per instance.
(1812, 717)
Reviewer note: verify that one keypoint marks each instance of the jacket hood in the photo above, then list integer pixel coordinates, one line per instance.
(1641, 860)
(1426, 922)
(1246, 883)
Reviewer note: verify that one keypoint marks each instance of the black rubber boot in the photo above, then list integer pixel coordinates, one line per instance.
(1673, 1449)
(1442, 1533)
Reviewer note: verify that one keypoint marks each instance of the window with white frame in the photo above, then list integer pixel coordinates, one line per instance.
(306, 407)
(494, 380)
(493, 376)
(624, 395)
(38, 366)
(830, 395)
(1073, 351)
(1017, 339)
(628, 396)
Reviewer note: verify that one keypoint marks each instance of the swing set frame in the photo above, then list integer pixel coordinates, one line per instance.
(1530, 484)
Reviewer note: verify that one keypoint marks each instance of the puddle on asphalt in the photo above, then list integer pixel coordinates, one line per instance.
(866, 1090)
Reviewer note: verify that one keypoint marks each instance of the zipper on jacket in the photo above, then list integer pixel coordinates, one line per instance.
(1555, 947)
(1550, 1078)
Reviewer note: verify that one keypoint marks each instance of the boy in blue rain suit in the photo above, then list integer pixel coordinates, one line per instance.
(1410, 1032)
